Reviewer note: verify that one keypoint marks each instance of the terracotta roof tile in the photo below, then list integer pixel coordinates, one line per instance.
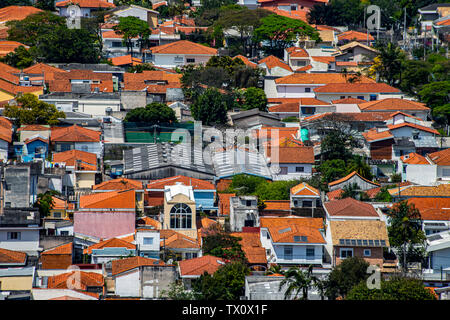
(304, 189)
(47, 70)
(288, 233)
(122, 265)
(442, 190)
(197, 184)
(272, 62)
(350, 207)
(350, 175)
(33, 127)
(86, 3)
(356, 88)
(247, 62)
(331, 79)
(176, 240)
(119, 184)
(125, 60)
(373, 135)
(359, 230)
(269, 222)
(412, 125)
(74, 134)
(60, 204)
(414, 158)
(355, 35)
(335, 194)
(17, 13)
(13, 257)
(7, 68)
(252, 247)
(441, 158)
(296, 52)
(324, 59)
(123, 199)
(81, 281)
(197, 266)
(183, 47)
(283, 205)
(348, 101)
(150, 222)
(392, 104)
(110, 243)
(62, 249)
(296, 155)
(9, 46)
(70, 157)
(432, 208)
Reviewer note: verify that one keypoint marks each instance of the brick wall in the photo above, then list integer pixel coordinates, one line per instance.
(376, 257)
(56, 261)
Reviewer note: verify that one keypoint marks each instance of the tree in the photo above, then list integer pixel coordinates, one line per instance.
(337, 13)
(396, 288)
(31, 110)
(391, 66)
(178, 292)
(225, 62)
(332, 170)
(254, 98)
(442, 114)
(416, 74)
(383, 195)
(20, 58)
(405, 231)
(139, 68)
(435, 94)
(350, 191)
(6, 3)
(280, 32)
(45, 202)
(153, 113)
(243, 184)
(297, 280)
(223, 245)
(142, 3)
(132, 27)
(227, 283)
(48, 5)
(357, 163)
(338, 142)
(210, 108)
(277, 190)
(343, 277)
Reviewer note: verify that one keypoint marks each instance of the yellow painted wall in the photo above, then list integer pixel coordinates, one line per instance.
(85, 179)
(181, 198)
(5, 96)
(16, 283)
(63, 214)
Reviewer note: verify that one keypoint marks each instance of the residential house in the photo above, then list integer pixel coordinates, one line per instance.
(81, 169)
(398, 107)
(355, 36)
(417, 169)
(125, 61)
(255, 118)
(32, 130)
(21, 184)
(294, 162)
(148, 240)
(61, 294)
(243, 212)
(254, 252)
(356, 52)
(301, 108)
(441, 159)
(148, 15)
(192, 269)
(180, 53)
(59, 257)
(12, 82)
(296, 57)
(113, 45)
(348, 209)
(347, 105)
(298, 9)
(434, 213)
(47, 70)
(305, 196)
(109, 250)
(177, 246)
(438, 249)
(141, 277)
(350, 179)
(430, 13)
(293, 240)
(357, 238)
(16, 282)
(90, 282)
(86, 7)
(180, 209)
(123, 184)
(82, 81)
(61, 209)
(380, 142)
(204, 191)
(5, 138)
(76, 138)
(274, 67)
(414, 191)
(360, 90)
(11, 258)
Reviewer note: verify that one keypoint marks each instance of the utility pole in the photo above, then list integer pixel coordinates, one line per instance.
(404, 30)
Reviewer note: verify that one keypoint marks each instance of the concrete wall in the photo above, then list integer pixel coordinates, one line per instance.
(168, 60)
(296, 91)
(423, 174)
(92, 147)
(181, 198)
(29, 239)
(128, 284)
(133, 99)
(18, 185)
(440, 259)
(16, 283)
(298, 254)
(155, 279)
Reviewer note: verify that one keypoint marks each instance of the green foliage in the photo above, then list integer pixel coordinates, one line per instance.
(6, 3)
(153, 113)
(397, 288)
(45, 202)
(416, 74)
(210, 108)
(244, 184)
(227, 63)
(254, 98)
(142, 3)
(223, 245)
(227, 283)
(276, 190)
(281, 32)
(337, 13)
(357, 163)
(337, 144)
(383, 195)
(177, 291)
(141, 67)
(290, 119)
(405, 231)
(45, 5)
(20, 58)
(332, 170)
(350, 191)
(33, 111)
(391, 63)
(343, 277)
(132, 27)
(396, 177)
(435, 94)
(442, 113)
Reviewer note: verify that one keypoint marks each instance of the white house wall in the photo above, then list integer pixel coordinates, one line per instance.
(128, 284)
(29, 240)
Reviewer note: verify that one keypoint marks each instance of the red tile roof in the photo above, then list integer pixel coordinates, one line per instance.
(197, 266)
(183, 47)
(348, 101)
(372, 135)
(252, 247)
(122, 265)
(412, 125)
(354, 35)
(304, 189)
(86, 3)
(9, 46)
(8, 68)
(324, 59)
(335, 194)
(80, 281)
(176, 240)
(110, 243)
(62, 80)
(13, 257)
(150, 222)
(47, 70)
(60, 204)
(125, 60)
(247, 62)
(432, 208)
(392, 104)
(62, 249)
(441, 158)
(119, 184)
(350, 175)
(197, 184)
(269, 222)
(296, 155)
(350, 207)
(283, 205)
(414, 158)
(272, 62)
(123, 199)
(330, 79)
(287, 234)
(17, 12)
(5, 130)
(224, 203)
(296, 52)
(33, 127)
(74, 134)
(294, 106)
(70, 157)
(356, 88)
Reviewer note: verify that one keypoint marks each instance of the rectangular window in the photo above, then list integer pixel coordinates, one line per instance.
(248, 203)
(367, 252)
(190, 60)
(346, 253)
(56, 214)
(342, 97)
(283, 170)
(293, 7)
(13, 235)
(373, 97)
(148, 241)
(308, 110)
(307, 204)
(64, 233)
(288, 252)
(310, 252)
(307, 89)
(299, 169)
(116, 44)
(360, 97)
(295, 203)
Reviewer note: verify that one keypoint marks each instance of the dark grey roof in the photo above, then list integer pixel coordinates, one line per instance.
(158, 155)
(404, 142)
(254, 112)
(77, 115)
(16, 217)
(426, 142)
(89, 96)
(89, 122)
(96, 67)
(434, 6)
(63, 223)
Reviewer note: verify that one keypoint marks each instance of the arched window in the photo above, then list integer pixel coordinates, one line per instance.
(181, 216)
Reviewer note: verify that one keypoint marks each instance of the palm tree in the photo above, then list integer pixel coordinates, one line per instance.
(391, 59)
(358, 164)
(297, 280)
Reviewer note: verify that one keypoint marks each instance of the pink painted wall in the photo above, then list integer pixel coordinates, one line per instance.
(104, 224)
